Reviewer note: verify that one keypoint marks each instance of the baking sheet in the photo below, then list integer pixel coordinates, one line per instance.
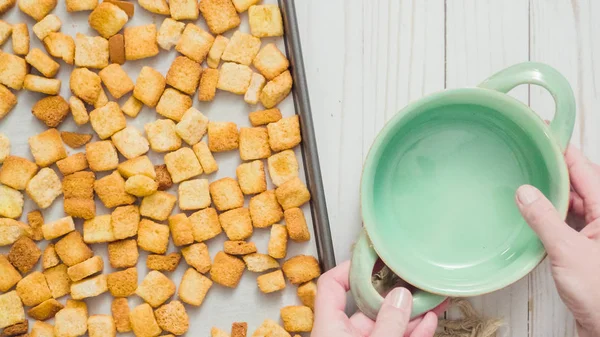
(222, 306)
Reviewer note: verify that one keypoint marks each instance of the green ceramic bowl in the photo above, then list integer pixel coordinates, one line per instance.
(438, 186)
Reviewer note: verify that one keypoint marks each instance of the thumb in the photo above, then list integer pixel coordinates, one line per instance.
(394, 315)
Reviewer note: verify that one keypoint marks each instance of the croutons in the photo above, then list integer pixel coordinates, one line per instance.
(293, 193)
(173, 104)
(10, 276)
(58, 228)
(76, 304)
(78, 189)
(49, 257)
(91, 51)
(51, 110)
(123, 254)
(226, 194)
(130, 142)
(296, 224)
(297, 318)
(135, 166)
(24, 254)
(257, 82)
(48, 86)
(89, 287)
(125, 220)
(43, 311)
(167, 262)
(158, 206)
(172, 317)
(140, 42)
(111, 191)
(42, 329)
(278, 242)
(101, 326)
(194, 194)
(44, 187)
(205, 224)
(239, 247)
(222, 136)
(205, 157)
(264, 209)
(243, 5)
(181, 229)
(116, 80)
(208, 85)
(192, 126)
(254, 143)
(270, 61)
(16, 172)
(116, 49)
(242, 48)
(47, 147)
(75, 140)
(149, 86)
(61, 46)
(271, 282)
(239, 329)
(259, 263)
(132, 107)
(153, 237)
(156, 288)
(283, 167)
(98, 230)
(37, 9)
(301, 269)
(120, 312)
(85, 84)
(182, 164)
(143, 322)
(193, 287)
(13, 70)
(11, 202)
(101, 156)
(107, 120)
(12, 230)
(163, 178)
(81, 5)
(102, 100)
(251, 177)
(86, 268)
(70, 322)
(4, 146)
(236, 223)
(107, 19)
(170, 30)
(184, 75)
(162, 135)
(265, 20)
(42, 62)
(217, 49)
(307, 293)
(12, 309)
(276, 90)
(140, 185)
(5, 28)
(155, 6)
(227, 270)
(50, 24)
(123, 283)
(58, 280)
(7, 101)
(71, 249)
(16, 329)
(33, 289)
(220, 15)
(197, 256)
(194, 43)
(20, 39)
(184, 9)
(270, 328)
(234, 78)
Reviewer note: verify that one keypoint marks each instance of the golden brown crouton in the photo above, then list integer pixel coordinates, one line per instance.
(90, 287)
(72, 164)
(194, 194)
(102, 100)
(239, 247)
(307, 293)
(10, 276)
(170, 30)
(283, 167)
(156, 288)
(51, 110)
(49, 24)
(116, 80)
(163, 178)
(11, 205)
(70, 322)
(257, 83)
(214, 55)
(184, 9)
(24, 254)
(91, 51)
(220, 15)
(193, 287)
(58, 280)
(155, 6)
(285, 133)
(167, 262)
(271, 282)
(5, 5)
(226, 194)
(76, 304)
(98, 230)
(173, 104)
(254, 143)
(33, 289)
(123, 283)
(125, 220)
(182, 164)
(222, 136)
(234, 78)
(276, 90)
(242, 48)
(293, 193)
(192, 126)
(301, 269)
(49, 257)
(12, 309)
(265, 20)
(101, 326)
(194, 43)
(47, 147)
(296, 224)
(48, 86)
(184, 75)
(227, 270)
(101, 156)
(44, 187)
(42, 329)
(239, 329)
(61, 46)
(153, 237)
(251, 177)
(20, 39)
(85, 84)
(197, 256)
(140, 42)
(143, 322)
(58, 228)
(42, 62)
(120, 312)
(270, 61)
(111, 191)
(149, 86)
(243, 5)
(162, 135)
(5, 29)
(7, 101)
(75, 140)
(4, 145)
(37, 9)
(132, 107)
(205, 224)
(86, 268)
(278, 242)
(72, 250)
(78, 189)
(158, 206)
(107, 19)
(297, 318)
(123, 254)
(264, 209)
(130, 142)
(81, 5)
(173, 318)
(141, 185)
(107, 120)
(16, 329)
(208, 85)
(135, 166)
(270, 328)
(116, 49)
(258, 263)
(205, 157)
(181, 229)
(44, 311)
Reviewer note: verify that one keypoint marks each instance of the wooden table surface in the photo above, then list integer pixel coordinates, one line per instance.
(366, 59)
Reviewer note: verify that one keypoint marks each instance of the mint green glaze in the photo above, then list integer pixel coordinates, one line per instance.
(438, 185)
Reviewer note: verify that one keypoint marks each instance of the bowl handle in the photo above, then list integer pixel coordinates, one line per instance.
(549, 78)
(367, 299)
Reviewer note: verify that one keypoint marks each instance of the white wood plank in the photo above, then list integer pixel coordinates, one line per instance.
(484, 37)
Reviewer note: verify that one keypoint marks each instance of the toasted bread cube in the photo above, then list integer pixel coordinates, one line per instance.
(91, 51)
(12, 309)
(234, 78)
(102, 100)
(182, 164)
(78, 189)
(215, 52)
(49, 257)
(192, 126)
(141, 186)
(116, 80)
(194, 194)
(172, 317)
(259, 263)
(184, 9)
(153, 237)
(227, 270)
(271, 282)
(265, 20)
(181, 229)
(81, 5)
(156, 288)
(242, 48)
(37, 9)
(163, 178)
(13, 70)
(101, 326)
(130, 142)
(278, 242)
(4, 146)
(7, 101)
(123, 254)
(197, 256)
(33, 289)
(72, 164)
(24, 254)
(296, 225)
(44, 187)
(98, 230)
(58, 228)
(86, 268)
(116, 49)
(107, 120)
(51, 110)
(222, 136)
(220, 15)
(48, 86)
(205, 157)
(270, 61)
(123, 283)
(239, 329)
(226, 194)
(149, 86)
(162, 135)
(257, 82)
(254, 143)
(49, 24)
(158, 206)
(11, 230)
(163, 262)
(47, 147)
(16, 329)
(10, 276)
(76, 304)
(169, 32)
(107, 19)
(140, 43)
(270, 328)
(135, 166)
(307, 293)
(173, 104)
(111, 191)
(42, 62)
(61, 46)
(239, 247)
(193, 287)
(251, 177)
(283, 167)
(75, 140)
(85, 84)
(101, 156)
(208, 85)
(155, 6)
(80, 208)
(120, 312)
(284, 134)
(236, 223)
(205, 224)
(184, 75)
(20, 39)
(301, 269)
(89, 287)
(42, 329)
(276, 90)
(264, 209)
(125, 221)
(11, 202)
(44, 311)
(292, 193)
(70, 322)
(297, 318)
(143, 322)
(132, 107)
(194, 42)
(243, 5)
(71, 249)
(5, 29)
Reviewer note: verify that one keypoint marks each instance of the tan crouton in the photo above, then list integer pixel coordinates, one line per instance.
(85, 84)
(51, 23)
(24, 254)
(37, 9)
(155, 6)
(292, 193)
(51, 110)
(239, 329)
(181, 229)
(98, 230)
(156, 288)
(143, 322)
(172, 317)
(35, 219)
(184, 75)
(70, 322)
(194, 42)
(107, 19)
(72, 250)
(182, 164)
(243, 5)
(236, 223)
(120, 312)
(101, 326)
(107, 120)
(162, 135)
(72, 164)
(194, 194)
(123, 283)
(16, 329)
(307, 293)
(11, 202)
(4, 146)
(296, 225)
(242, 48)
(111, 191)
(284, 134)
(184, 9)
(259, 263)
(102, 100)
(91, 51)
(16, 172)
(78, 189)
(20, 39)
(5, 5)
(153, 237)
(125, 220)
(101, 156)
(135, 166)
(297, 318)
(123, 254)
(116, 49)
(254, 143)
(205, 224)
(47, 147)
(169, 32)
(86, 268)
(227, 270)
(76, 304)
(265, 20)
(158, 206)
(33, 289)
(140, 43)
(12, 309)
(42, 329)
(149, 86)
(301, 269)
(205, 157)
(75, 140)
(89, 287)
(48, 86)
(270, 61)
(226, 194)
(173, 104)
(44, 311)
(283, 167)
(270, 328)
(132, 107)
(49, 257)
(251, 177)
(278, 242)
(141, 185)
(42, 62)
(197, 256)
(10, 276)
(130, 142)
(208, 85)
(13, 70)
(239, 247)
(222, 136)
(81, 5)
(234, 78)
(271, 282)
(163, 262)
(44, 187)
(5, 28)
(193, 287)
(163, 178)
(220, 15)
(61, 46)
(217, 49)
(58, 228)
(264, 209)
(276, 90)
(192, 126)
(116, 80)
(257, 82)
(7, 101)
(11, 230)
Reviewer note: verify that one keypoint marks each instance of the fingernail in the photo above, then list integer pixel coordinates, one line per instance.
(527, 194)
(400, 297)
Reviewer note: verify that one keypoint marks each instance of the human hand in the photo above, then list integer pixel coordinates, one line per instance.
(573, 255)
(392, 321)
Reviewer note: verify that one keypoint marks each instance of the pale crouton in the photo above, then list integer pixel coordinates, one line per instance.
(11, 202)
(192, 126)
(156, 288)
(172, 317)
(162, 135)
(220, 15)
(296, 225)
(72, 250)
(270, 61)
(271, 282)
(101, 326)
(153, 237)
(184, 75)
(37, 9)
(135, 166)
(33, 289)
(234, 78)
(264, 209)
(123, 283)
(143, 322)
(125, 221)
(24, 254)
(8, 100)
(197, 256)
(11, 230)
(85, 84)
(297, 318)
(194, 194)
(259, 263)
(5, 29)
(47, 147)
(58, 282)
(132, 107)
(254, 143)
(130, 142)
(120, 312)
(141, 185)
(13, 70)
(181, 229)
(70, 322)
(58, 228)
(193, 287)
(107, 19)
(236, 223)
(16, 329)
(242, 48)
(208, 85)
(140, 43)
(42, 329)
(158, 206)
(163, 262)
(81, 5)
(4, 147)
(301, 269)
(283, 167)
(44, 187)
(91, 51)
(149, 86)
(226, 194)
(183, 9)
(111, 191)
(51, 110)
(173, 104)
(72, 164)
(239, 247)
(257, 82)
(49, 257)
(44, 311)
(239, 329)
(217, 49)
(86, 268)
(123, 254)
(89, 287)
(170, 30)
(265, 20)
(292, 193)
(205, 157)
(251, 177)
(116, 49)
(155, 6)
(222, 136)
(205, 224)
(278, 242)
(76, 304)
(116, 80)
(163, 178)
(50, 24)
(108, 120)
(10, 276)
(78, 189)
(307, 293)
(285, 133)
(227, 270)
(270, 328)
(12, 309)
(20, 39)
(48, 86)
(98, 230)
(276, 90)
(16, 172)
(194, 42)
(182, 164)
(61, 46)
(101, 156)
(42, 62)
(243, 5)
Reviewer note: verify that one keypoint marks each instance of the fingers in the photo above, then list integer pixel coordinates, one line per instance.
(427, 326)
(576, 204)
(363, 324)
(331, 292)
(585, 180)
(394, 315)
